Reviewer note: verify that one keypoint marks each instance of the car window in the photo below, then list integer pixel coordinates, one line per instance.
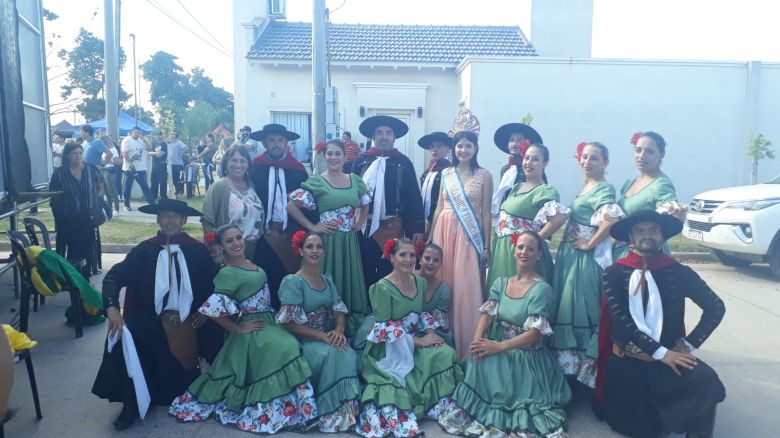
(775, 180)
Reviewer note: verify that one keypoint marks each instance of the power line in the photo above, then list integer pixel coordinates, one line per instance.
(201, 25)
(183, 26)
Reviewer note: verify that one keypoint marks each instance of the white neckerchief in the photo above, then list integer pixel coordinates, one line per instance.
(165, 281)
(272, 175)
(375, 185)
(134, 370)
(506, 184)
(651, 322)
(399, 358)
(427, 189)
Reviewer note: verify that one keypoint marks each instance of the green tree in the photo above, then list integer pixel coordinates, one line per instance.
(198, 120)
(168, 82)
(759, 148)
(143, 115)
(85, 71)
(527, 119)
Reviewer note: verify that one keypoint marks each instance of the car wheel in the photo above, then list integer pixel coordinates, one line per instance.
(774, 262)
(729, 260)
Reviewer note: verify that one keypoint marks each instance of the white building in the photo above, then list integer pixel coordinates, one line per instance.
(705, 110)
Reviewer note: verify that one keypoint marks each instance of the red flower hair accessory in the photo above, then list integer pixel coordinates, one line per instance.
(580, 148)
(524, 146)
(320, 148)
(210, 238)
(388, 249)
(635, 138)
(297, 241)
(419, 247)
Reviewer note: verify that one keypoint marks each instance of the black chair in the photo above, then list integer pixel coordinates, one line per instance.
(27, 357)
(30, 225)
(28, 289)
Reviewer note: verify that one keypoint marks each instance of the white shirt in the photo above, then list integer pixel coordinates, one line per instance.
(175, 151)
(57, 149)
(136, 151)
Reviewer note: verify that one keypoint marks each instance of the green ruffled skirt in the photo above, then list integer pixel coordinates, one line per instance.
(342, 261)
(335, 375)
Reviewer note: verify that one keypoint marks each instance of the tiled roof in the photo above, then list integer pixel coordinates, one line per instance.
(286, 41)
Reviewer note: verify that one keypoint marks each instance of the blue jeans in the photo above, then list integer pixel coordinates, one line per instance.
(140, 177)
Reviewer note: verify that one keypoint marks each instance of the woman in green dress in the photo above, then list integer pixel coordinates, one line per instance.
(652, 189)
(313, 311)
(343, 206)
(408, 370)
(437, 295)
(530, 205)
(259, 381)
(585, 251)
(508, 346)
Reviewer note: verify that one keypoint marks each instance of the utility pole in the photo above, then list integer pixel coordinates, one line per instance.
(135, 83)
(318, 70)
(117, 41)
(111, 71)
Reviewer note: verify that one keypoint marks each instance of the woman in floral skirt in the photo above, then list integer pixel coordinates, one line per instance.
(313, 311)
(408, 370)
(342, 203)
(438, 295)
(259, 381)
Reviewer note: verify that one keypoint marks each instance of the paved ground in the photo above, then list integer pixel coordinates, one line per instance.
(744, 351)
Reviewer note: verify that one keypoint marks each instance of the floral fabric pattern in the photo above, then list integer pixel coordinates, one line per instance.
(489, 308)
(375, 422)
(606, 212)
(456, 421)
(442, 319)
(219, 305)
(321, 319)
(305, 197)
(293, 409)
(508, 224)
(576, 231)
(411, 324)
(343, 420)
(343, 218)
(538, 322)
(548, 210)
(339, 306)
(289, 313)
(246, 211)
(257, 303)
(577, 363)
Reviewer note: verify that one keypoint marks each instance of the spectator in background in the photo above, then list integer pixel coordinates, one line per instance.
(81, 185)
(351, 150)
(134, 150)
(254, 147)
(57, 145)
(176, 152)
(220, 155)
(206, 150)
(112, 173)
(96, 152)
(159, 167)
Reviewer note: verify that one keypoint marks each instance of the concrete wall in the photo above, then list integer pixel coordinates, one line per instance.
(699, 107)
(287, 87)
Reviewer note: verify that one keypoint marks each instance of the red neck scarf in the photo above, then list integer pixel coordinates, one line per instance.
(652, 262)
(181, 239)
(438, 165)
(516, 160)
(287, 163)
(377, 153)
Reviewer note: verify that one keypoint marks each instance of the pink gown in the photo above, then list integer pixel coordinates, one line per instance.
(461, 267)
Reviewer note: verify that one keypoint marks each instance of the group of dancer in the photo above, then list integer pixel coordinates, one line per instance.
(450, 318)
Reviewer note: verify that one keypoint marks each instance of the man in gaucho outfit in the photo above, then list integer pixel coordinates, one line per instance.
(166, 278)
(649, 381)
(275, 174)
(396, 208)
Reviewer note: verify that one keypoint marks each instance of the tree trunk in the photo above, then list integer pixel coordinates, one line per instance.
(754, 172)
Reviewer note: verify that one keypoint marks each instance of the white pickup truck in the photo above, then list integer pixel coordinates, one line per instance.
(740, 224)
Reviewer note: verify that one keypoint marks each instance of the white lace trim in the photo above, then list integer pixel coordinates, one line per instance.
(607, 212)
(550, 209)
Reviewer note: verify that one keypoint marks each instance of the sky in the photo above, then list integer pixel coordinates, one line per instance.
(201, 33)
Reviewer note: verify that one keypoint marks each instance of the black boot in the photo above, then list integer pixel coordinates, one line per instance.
(705, 427)
(127, 417)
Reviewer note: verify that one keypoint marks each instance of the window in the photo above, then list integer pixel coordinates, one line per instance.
(299, 123)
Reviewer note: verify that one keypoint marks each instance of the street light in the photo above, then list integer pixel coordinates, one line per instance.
(135, 84)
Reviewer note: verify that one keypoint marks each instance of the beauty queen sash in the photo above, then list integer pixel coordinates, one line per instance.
(456, 194)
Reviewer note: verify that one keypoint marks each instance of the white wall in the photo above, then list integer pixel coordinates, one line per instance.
(270, 88)
(699, 107)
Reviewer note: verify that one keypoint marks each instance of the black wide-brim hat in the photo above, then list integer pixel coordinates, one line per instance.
(173, 205)
(670, 225)
(274, 128)
(368, 126)
(501, 137)
(426, 140)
